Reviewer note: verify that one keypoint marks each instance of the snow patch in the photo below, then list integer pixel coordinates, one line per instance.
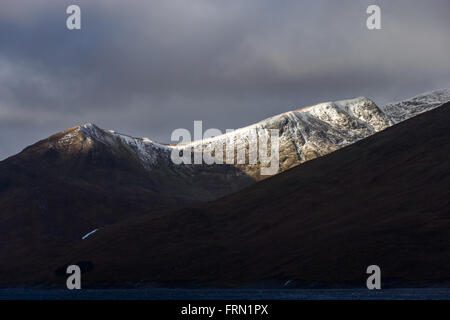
(88, 234)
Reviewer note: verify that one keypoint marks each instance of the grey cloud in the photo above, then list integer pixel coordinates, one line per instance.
(146, 68)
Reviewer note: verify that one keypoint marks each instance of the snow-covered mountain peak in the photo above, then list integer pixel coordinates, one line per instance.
(433, 96)
(90, 129)
(403, 110)
(342, 113)
(87, 125)
(341, 103)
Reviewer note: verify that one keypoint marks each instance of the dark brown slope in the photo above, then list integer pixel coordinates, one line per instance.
(384, 201)
(60, 188)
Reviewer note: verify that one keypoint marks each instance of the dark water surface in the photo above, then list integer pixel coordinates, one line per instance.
(224, 294)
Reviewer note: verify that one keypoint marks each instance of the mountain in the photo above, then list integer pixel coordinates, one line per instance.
(85, 178)
(305, 134)
(400, 111)
(383, 200)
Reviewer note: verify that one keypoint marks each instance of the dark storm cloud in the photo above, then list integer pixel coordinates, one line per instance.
(146, 68)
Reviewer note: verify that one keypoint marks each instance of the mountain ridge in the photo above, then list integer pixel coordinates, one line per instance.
(300, 145)
(408, 108)
(305, 133)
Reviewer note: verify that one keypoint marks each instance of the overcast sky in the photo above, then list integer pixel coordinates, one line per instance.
(148, 67)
